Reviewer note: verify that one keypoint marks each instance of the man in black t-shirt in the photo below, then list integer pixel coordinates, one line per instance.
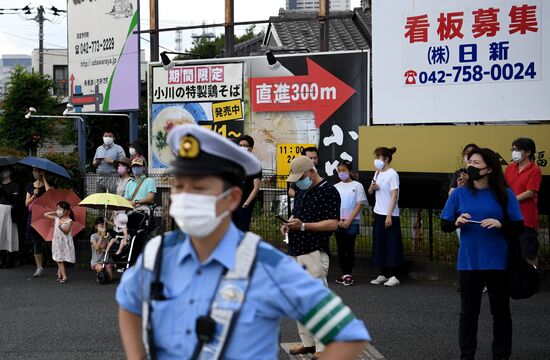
(314, 219)
(251, 185)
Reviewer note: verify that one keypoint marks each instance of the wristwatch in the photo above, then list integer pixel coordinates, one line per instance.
(303, 227)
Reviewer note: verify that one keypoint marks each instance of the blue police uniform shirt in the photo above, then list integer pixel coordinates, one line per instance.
(279, 288)
(481, 248)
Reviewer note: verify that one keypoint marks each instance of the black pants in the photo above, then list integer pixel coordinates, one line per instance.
(243, 216)
(346, 250)
(471, 292)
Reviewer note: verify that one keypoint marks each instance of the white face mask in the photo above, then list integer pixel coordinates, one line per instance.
(132, 151)
(195, 214)
(59, 213)
(107, 140)
(516, 156)
(379, 164)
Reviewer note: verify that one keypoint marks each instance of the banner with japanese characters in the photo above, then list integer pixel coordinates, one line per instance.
(104, 55)
(210, 95)
(318, 99)
(443, 61)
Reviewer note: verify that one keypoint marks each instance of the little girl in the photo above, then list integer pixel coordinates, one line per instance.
(98, 241)
(62, 243)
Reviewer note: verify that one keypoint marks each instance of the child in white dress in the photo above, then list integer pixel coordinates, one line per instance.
(62, 243)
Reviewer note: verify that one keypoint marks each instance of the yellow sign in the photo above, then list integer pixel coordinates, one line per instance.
(285, 154)
(437, 149)
(227, 110)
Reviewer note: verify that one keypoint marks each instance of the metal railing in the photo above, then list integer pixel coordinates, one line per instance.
(420, 228)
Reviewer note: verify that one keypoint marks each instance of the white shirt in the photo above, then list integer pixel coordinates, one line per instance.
(387, 182)
(351, 193)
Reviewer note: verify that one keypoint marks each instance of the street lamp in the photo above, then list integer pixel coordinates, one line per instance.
(167, 64)
(81, 127)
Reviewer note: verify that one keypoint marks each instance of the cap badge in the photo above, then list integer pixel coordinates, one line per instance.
(189, 147)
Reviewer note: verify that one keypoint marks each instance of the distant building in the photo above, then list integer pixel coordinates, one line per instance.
(7, 64)
(313, 5)
(56, 67)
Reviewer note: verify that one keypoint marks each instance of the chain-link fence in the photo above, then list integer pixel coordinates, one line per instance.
(420, 228)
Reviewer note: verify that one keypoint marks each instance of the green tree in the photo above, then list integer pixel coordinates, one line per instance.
(205, 48)
(25, 90)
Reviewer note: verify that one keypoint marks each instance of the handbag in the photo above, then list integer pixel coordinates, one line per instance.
(523, 277)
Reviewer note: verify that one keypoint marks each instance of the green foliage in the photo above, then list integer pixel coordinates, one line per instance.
(205, 48)
(25, 90)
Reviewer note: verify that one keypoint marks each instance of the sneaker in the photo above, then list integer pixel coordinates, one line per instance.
(485, 289)
(340, 280)
(348, 280)
(121, 270)
(39, 272)
(392, 282)
(379, 280)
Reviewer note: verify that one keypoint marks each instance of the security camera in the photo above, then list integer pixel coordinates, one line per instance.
(32, 110)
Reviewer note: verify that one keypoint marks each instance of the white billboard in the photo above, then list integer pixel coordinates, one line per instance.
(449, 61)
(103, 55)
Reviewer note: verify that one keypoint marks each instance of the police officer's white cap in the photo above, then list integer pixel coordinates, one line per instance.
(200, 151)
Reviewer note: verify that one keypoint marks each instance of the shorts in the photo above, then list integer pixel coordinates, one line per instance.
(529, 242)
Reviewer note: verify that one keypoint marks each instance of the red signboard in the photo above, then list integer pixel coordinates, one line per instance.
(319, 91)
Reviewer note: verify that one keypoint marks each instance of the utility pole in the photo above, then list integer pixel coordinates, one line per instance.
(153, 26)
(229, 28)
(324, 6)
(40, 19)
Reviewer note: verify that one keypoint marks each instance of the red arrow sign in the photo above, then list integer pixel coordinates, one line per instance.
(319, 91)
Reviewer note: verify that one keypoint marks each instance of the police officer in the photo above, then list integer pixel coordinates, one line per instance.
(209, 291)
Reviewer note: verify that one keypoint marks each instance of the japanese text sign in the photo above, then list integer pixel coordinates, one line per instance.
(458, 61)
(198, 83)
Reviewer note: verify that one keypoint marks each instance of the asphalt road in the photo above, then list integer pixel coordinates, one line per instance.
(42, 319)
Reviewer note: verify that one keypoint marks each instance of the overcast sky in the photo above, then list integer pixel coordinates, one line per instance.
(20, 36)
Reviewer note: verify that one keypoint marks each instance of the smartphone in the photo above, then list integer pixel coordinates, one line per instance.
(474, 221)
(282, 219)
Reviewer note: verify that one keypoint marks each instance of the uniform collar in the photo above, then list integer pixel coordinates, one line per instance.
(224, 252)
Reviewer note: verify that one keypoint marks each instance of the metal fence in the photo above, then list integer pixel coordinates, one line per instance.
(420, 228)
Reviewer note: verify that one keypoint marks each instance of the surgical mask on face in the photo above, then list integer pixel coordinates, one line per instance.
(6, 173)
(379, 164)
(59, 213)
(195, 214)
(122, 170)
(473, 172)
(516, 155)
(132, 151)
(137, 170)
(107, 140)
(304, 184)
(343, 175)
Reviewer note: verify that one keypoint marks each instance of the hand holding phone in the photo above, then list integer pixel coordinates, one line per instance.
(282, 219)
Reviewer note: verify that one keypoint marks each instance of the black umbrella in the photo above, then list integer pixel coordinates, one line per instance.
(9, 160)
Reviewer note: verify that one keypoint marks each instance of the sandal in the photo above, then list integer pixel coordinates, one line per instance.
(63, 281)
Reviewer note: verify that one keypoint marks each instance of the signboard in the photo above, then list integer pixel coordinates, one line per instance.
(318, 91)
(318, 99)
(210, 95)
(103, 55)
(286, 153)
(441, 61)
(437, 149)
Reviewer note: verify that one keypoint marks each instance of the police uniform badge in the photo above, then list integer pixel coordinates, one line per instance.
(189, 147)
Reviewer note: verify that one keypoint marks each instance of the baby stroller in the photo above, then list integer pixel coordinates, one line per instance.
(137, 228)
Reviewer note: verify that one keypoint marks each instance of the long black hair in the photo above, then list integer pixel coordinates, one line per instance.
(497, 182)
(66, 206)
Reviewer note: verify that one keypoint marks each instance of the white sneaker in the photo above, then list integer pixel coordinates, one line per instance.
(39, 272)
(379, 280)
(392, 282)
